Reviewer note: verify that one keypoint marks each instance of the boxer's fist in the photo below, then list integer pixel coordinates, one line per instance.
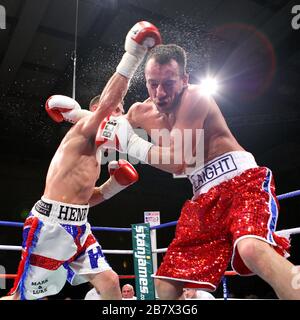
(62, 108)
(141, 37)
(114, 133)
(123, 172)
(122, 175)
(58, 105)
(117, 133)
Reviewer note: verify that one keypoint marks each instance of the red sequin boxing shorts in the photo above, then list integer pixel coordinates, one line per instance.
(210, 226)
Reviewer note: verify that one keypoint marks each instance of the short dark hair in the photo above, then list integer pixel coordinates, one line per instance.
(164, 53)
(95, 100)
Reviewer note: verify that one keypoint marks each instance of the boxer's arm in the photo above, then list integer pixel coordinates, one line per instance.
(174, 158)
(155, 155)
(140, 38)
(96, 198)
(125, 140)
(113, 93)
(166, 158)
(122, 175)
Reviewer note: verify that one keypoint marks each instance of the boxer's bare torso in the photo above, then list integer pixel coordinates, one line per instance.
(74, 169)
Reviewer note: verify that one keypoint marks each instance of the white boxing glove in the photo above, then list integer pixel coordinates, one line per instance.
(117, 133)
(140, 38)
(62, 108)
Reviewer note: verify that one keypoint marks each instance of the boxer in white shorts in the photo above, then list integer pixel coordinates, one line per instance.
(58, 239)
(58, 244)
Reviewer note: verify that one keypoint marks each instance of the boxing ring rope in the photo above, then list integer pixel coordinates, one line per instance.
(19, 248)
(287, 195)
(288, 232)
(13, 276)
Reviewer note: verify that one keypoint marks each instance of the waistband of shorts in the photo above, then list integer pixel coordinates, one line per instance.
(60, 212)
(220, 169)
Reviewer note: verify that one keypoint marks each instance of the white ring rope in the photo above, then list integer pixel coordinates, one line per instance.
(19, 248)
(284, 232)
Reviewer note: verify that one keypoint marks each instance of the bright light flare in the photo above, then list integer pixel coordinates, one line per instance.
(209, 86)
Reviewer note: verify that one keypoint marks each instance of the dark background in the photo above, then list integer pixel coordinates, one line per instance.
(249, 45)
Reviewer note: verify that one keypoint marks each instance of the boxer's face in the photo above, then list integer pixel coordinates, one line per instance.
(164, 84)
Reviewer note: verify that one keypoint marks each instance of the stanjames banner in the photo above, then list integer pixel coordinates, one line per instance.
(142, 256)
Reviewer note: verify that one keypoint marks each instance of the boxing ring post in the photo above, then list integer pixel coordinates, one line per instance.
(154, 247)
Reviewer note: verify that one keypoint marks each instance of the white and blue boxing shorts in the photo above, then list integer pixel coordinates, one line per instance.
(58, 245)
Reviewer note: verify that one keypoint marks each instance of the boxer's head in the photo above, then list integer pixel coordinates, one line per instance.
(117, 112)
(166, 76)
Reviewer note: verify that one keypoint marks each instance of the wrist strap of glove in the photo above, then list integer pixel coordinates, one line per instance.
(128, 65)
(139, 148)
(75, 115)
(111, 187)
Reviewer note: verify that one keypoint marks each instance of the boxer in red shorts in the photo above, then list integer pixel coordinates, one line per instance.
(227, 208)
(234, 210)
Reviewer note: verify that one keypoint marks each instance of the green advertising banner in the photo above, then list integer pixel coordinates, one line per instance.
(142, 256)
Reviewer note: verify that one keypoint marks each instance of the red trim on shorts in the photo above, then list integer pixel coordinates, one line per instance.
(33, 223)
(28, 222)
(53, 264)
(44, 262)
(89, 241)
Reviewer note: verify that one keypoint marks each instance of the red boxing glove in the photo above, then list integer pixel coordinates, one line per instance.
(123, 171)
(140, 38)
(142, 33)
(62, 108)
(122, 175)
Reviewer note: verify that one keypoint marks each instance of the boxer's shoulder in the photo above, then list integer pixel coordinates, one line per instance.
(194, 101)
(193, 87)
(139, 107)
(139, 111)
(193, 92)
